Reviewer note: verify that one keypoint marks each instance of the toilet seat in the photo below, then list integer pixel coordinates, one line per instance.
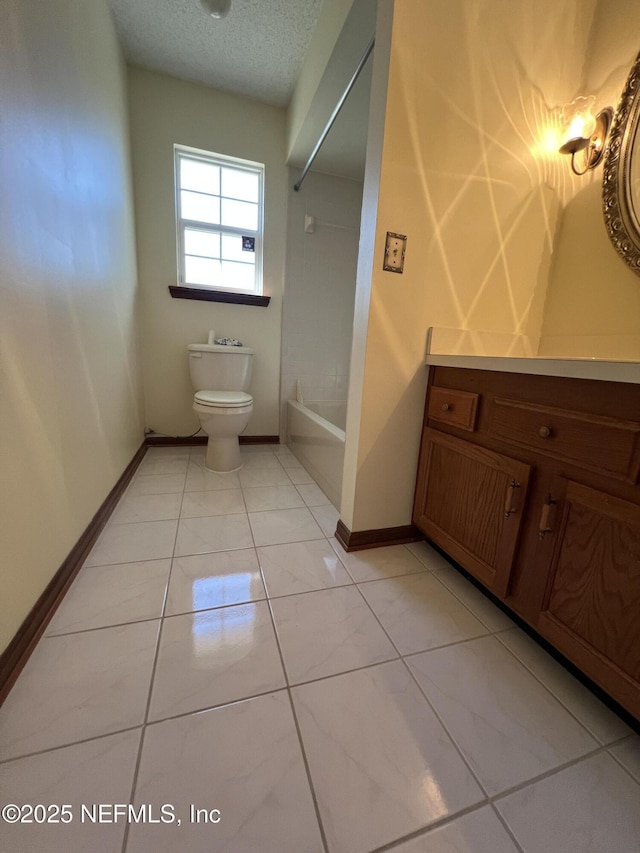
(223, 399)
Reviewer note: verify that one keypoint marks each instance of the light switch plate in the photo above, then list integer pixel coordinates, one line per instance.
(394, 251)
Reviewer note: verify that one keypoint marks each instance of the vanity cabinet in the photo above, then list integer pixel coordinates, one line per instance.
(531, 483)
(591, 606)
(470, 501)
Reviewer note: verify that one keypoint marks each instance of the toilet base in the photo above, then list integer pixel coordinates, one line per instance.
(223, 455)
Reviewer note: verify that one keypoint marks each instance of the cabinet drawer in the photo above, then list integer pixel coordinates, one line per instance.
(593, 442)
(456, 408)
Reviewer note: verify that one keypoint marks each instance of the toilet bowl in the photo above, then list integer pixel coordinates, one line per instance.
(220, 376)
(223, 415)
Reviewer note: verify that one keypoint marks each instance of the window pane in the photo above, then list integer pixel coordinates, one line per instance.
(200, 208)
(239, 214)
(240, 185)
(238, 276)
(201, 243)
(202, 271)
(232, 250)
(196, 175)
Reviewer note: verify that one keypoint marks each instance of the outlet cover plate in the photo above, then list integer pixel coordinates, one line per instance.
(394, 251)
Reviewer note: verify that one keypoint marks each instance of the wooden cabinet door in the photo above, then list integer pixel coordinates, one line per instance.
(591, 607)
(470, 502)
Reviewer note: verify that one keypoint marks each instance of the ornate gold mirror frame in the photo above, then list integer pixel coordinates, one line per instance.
(621, 179)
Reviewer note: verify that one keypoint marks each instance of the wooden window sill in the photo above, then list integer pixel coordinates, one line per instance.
(206, 295)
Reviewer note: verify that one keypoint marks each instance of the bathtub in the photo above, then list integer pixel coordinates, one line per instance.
(316, 440)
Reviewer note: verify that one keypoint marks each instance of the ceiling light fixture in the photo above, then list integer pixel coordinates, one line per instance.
(216, 8)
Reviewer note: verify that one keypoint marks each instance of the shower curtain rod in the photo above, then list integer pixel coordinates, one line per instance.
(334, 114)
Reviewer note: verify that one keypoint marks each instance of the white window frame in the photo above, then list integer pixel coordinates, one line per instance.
(250, 166)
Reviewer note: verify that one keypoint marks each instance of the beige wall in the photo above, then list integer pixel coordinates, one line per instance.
(69, 376)
(593, 300)
(165, 111)
(473, 91)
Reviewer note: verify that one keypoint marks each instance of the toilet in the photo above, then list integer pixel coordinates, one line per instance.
(220, 376)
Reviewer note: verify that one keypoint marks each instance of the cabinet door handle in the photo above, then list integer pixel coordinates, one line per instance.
(446, 407)
(545, 517)
(544, 432)
(509, 506)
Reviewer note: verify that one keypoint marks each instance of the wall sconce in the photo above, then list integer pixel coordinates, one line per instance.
(585, 133)
(216, 8)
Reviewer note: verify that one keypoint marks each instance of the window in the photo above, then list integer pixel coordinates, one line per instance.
(219, 213)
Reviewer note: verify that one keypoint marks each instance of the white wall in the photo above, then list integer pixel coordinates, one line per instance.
(332, 17)
(70, 385)
(320, 286)
(165, 111)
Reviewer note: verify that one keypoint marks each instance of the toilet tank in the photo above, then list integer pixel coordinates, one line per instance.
(215, 367)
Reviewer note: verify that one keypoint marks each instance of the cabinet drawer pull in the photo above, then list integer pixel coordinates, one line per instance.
(446, 407)
(509, 506)
(545, 517)
(544, 432)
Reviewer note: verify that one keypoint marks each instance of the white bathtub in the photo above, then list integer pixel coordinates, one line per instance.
(318, 443)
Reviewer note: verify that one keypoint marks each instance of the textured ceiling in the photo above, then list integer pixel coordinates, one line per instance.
(257, 50)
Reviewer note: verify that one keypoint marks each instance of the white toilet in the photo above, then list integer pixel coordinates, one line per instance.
(220, 376)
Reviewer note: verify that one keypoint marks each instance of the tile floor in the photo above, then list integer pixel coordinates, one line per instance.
(220, 651)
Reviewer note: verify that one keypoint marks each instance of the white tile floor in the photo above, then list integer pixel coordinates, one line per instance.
(220, 650)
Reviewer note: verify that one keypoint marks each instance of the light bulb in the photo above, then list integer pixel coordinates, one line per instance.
(578, 118)
(216, 8)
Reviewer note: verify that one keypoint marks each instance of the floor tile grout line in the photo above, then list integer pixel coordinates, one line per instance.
(307, 768)
(251, 533)
(203, 610)
(493, 799)
(447, 645)
(93, 629)
(423, 571)
(309, 591)
(424, 831)
(620, 740)
(479, 618)
(112, 524)
(550, 691)
(496, 632)
(547, 774)
(599, 748)
(206, 708)
(468, 609)
(136, 772)
(284, 509)
(496, 811)
(423, 693)
(134, 783)
(305, 760)
(173, 557)
(140, 474)
(520, 785)
(615, 758)
(215, 514)
(58, 747)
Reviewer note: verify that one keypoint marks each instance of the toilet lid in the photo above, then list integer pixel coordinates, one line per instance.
(223, 399)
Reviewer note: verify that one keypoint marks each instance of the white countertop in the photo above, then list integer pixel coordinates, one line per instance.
(574, 368)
